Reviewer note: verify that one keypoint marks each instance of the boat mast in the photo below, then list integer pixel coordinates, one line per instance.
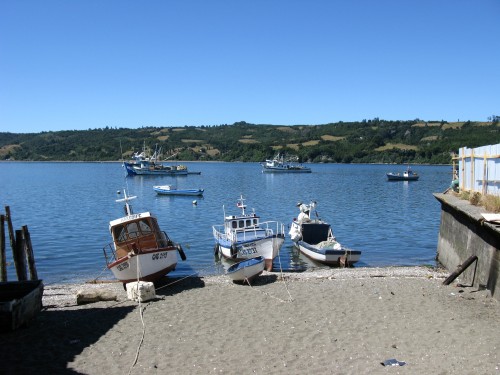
(128, 207)
(241, 205)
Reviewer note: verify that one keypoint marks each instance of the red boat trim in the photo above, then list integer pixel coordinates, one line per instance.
(126, 258)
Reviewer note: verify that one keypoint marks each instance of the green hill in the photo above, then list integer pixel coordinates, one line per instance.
(368, 141)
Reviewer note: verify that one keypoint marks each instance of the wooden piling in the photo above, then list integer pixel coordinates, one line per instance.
(11, 228)
(19, 257)
(3, 260)
(29, 253)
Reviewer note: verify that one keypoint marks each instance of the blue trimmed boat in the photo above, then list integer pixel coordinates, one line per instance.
(172, 190)
(243, 237)
(246, 270)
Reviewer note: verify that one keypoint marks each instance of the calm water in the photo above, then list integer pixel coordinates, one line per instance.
(67, 208)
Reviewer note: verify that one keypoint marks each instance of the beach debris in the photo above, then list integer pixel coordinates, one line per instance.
(392, 362)
(141, 291)
(90, 296)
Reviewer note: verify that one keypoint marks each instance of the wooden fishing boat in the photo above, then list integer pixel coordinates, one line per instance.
(172, 190)
(140, 250)
(243, 236)
(246, 270)
(314, 238)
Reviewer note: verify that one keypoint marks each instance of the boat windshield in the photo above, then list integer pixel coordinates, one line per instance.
(131, 230)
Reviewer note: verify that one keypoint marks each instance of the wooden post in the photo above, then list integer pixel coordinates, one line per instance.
(29, 253)
(3, 260)
(11, 229)
(19, 257)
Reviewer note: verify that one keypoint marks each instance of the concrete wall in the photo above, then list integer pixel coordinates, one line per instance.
(463, 233)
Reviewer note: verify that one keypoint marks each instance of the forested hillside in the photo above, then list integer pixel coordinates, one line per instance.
(368, 141)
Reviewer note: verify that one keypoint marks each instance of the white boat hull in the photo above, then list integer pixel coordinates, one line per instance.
(246, 270)
(267, 247)
(329, 255)
(148, 266)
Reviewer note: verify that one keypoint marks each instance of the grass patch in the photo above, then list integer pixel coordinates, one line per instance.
(429, 138)
(248, 141)
(310, 143)
(399, 146)
(453, 125)
(332, 138)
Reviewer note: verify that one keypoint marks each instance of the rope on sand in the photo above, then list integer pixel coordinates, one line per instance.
(141, 314)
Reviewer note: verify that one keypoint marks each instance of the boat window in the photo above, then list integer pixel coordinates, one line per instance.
(235, 224)
(133, 230)
(242, 223)
(255, 221)
(249, 223)
(145, 227)
(119, 233)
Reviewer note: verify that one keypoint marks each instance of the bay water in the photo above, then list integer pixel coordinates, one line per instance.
(67, 208)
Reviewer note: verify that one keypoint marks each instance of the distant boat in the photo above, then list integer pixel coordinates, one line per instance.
(314, 238)
(243, 236)
(140, 250)
(172, 190)
(143, 164)
(280, 164)
(246, 270)
(407, 175)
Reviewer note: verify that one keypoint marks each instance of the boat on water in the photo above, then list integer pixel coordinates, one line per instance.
(246, 270)
(144, 164)
(140, 250)
(172, 190)
(282, 164)
(314, 238)
(407, 175)
(244, 236)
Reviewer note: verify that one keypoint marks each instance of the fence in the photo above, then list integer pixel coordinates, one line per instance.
(479, 169)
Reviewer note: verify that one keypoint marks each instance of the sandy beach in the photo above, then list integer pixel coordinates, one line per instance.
(335, 321)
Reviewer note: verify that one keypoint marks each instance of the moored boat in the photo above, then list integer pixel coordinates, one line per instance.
(143, 164)
(281, 164)
(243, 236)
(140, 249)
(314, 238)
(246, 270)
(172, 190)
(407, 175)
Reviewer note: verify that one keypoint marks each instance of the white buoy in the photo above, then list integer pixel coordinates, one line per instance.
(195, 203)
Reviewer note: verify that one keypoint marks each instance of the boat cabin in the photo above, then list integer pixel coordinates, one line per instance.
(135, 233)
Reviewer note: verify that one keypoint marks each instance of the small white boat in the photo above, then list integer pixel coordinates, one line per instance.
(246, 270)
(407, 175)
(140, 249)
(314, 238)
(172, 190)
(280, 164)
(243, 236)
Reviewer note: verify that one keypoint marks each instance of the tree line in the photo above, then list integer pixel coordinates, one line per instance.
(367, 141)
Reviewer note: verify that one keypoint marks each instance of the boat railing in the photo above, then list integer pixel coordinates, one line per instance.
(136, 243)
(269, 228)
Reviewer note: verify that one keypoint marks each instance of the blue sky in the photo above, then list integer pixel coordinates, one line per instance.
(70, 65)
